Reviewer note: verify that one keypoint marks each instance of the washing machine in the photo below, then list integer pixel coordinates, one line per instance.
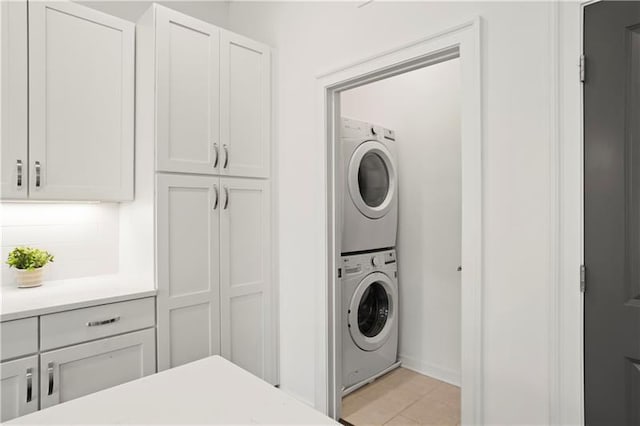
(369, 317)
(369, 183)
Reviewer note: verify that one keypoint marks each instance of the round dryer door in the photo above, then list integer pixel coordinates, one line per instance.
(372, 312)
(372, 179)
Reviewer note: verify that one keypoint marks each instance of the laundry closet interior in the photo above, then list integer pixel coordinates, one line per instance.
(398, 208)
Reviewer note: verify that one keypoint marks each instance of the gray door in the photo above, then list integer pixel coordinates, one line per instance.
(612, 213)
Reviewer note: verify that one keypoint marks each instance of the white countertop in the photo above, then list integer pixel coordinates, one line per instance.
(56, 296)
(209, 391)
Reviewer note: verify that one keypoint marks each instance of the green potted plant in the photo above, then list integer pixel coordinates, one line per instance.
(29, 263)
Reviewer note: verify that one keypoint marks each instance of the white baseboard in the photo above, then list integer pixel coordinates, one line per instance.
(297, 396)
(444, 374)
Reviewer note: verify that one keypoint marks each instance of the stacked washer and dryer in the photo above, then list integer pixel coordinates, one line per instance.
(369, 266)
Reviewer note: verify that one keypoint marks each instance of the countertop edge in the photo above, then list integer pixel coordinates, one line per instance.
(134, 294)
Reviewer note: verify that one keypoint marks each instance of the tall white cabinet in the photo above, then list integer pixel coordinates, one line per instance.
(203, 110)
(67, 103)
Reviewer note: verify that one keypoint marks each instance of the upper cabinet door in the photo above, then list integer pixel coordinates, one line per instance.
(246, 304)
(188, 102)
(81, 94)
(245, 106)
(13, 170)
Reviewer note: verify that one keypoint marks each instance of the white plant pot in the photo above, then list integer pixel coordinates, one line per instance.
(29, 277)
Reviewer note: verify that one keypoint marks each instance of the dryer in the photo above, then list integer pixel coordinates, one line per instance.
(369, 184)
(369, 317)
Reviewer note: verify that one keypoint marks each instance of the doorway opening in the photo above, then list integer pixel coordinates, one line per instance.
(375, 306)
(401, 242)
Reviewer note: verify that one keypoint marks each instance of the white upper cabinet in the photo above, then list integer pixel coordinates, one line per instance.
(74, 68)
(14, 156)
(81, 111)
(212, 96)
(245, 93)
(188, 101)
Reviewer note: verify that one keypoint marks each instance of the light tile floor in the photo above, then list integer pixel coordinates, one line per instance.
(403, 397)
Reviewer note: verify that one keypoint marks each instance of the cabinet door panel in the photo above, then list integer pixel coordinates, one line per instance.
(13, 170)
(79, 370)
(246, 104)
(188, 93)
(81, 71)
(246, 316)
(188, 268)
(19, 389)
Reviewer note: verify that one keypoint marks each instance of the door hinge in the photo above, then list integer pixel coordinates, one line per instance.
(583, 278)
(582, 69)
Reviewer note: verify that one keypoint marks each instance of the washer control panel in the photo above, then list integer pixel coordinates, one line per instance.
(359, 129)
(365, 263)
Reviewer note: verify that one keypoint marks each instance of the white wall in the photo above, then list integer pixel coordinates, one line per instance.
(82, 237)
(423, 107)
(518, 64)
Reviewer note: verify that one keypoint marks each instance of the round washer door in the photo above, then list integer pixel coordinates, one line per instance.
(372, 312)
(372, 179)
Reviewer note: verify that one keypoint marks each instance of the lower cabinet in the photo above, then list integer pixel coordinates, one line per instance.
(78, 370)
(19, 389)
(61, 356)
(214, 273)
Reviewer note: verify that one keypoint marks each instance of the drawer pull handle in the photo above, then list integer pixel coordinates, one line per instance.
(226, 156)
(217, 152)
(103, 322)
(50, 371)
(226, 198)
(29, 383)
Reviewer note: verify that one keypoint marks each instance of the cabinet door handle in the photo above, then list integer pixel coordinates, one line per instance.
(215, 203)
(37, 174)
(19, 173)
(29, 383)
(50, 372)
(226, 156)
(226, 198)
(103, 322)
(215, 149)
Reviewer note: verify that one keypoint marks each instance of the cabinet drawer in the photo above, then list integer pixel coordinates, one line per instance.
(19, 337)
(81, 325)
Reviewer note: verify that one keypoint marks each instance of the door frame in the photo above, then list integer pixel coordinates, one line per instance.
(567, 371)
(461, 41)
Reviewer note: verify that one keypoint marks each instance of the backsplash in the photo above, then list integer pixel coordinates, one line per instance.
(82, 237)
